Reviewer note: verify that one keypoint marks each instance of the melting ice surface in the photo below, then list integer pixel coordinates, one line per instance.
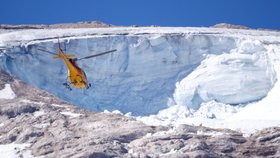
(214, 77)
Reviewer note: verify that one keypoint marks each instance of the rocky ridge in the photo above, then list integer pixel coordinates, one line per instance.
(230, 26)
(55, 128)
(85, 24)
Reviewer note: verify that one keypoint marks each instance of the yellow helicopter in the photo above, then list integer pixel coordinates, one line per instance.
(76, 75)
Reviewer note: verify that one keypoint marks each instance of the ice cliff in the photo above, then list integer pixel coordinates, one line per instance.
(153, 68)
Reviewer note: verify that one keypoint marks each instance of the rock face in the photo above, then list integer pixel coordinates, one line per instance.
(191, 141)
(55, 128)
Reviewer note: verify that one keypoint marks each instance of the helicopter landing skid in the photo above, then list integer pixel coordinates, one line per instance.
(67, 86)
(88, 86)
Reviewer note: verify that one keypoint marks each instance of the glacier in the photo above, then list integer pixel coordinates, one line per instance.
(160, 74)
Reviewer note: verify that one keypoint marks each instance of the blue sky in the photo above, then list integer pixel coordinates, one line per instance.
(252, 13)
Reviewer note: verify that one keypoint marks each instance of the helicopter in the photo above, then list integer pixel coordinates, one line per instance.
(77, 76)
